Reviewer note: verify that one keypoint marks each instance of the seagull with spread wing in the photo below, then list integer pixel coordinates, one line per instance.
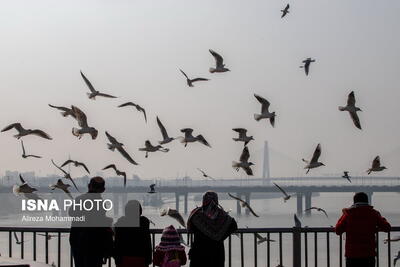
(376, 166)
(219, 63)
(318, 209)
(25, 189)
(242, 136)
(66, 175)
(60, 185)
(205, 175)
(346, 176)
(286, 195)
(24, 132)
(352, 109)
(307, 62)
(118, 172)
(24, 155)
(314, 163)
(150, 148)
(80, 116)
(244, 204)
(265, 114)
(285, 10)
(189, 138)
(166, 138)
(119, 146)
(152, 189)
(138, 108)
(173, 214)
(93, 92)
(244, 162)
(76, 164)
(191, 81)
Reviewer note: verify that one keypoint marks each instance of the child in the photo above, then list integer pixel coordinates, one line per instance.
(170, 252)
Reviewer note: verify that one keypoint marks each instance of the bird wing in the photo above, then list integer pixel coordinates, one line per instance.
(72, 181)
(147, 144)
(162, 129)
(351, 100)
(84, 166)
(177, 216)
(187, 131)
(377, 162)
(110, 166)
(237, 198)
(58, 167)
(202, 171)
(23, 148)
(41, 134)
(248, 171)
(80, 116)
(184, 74)
(111, 138)
(203, 140)
(126, 155)
(242, 132)
(106, 95)
(16, 237)
(88, 83)
(264, 103)
(144, 112)
(355, 119)
(245, 154)
(22, 179)
(219, 61)
(281, 189)
(272, 121)
(59, 107)
(67, 162)
(287, 7)
(324, 211)
(127, 104)
(17, 127)
(199, 79)
(251, 210)
(316, 154)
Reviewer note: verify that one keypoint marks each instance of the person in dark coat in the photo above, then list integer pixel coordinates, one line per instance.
(210, 225)
(92, 240)
(361, 222)
(132, 245)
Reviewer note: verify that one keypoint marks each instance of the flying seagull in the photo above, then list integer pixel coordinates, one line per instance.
(119, 146)
(189, 138)
(166, 138)
(23, 132)
(50, 236)
(242, 136)
(150, 148)
(173, 214)
(191, 81)
(244, 162)
(306, 65)
(205, 175)
(285, 11)
(76, 164)
(64, 111)
(286, 195)
(24, 155)
(318, 209)
(265, 114)
(93, 92)
(376, 166)
(80, 116)
(260, 238)
(118, 172)
(152, 189)
(138, 108)
(314, 160)
(219, 63)
(66, 175)
(346, 176)
(25, 189)
(244, 204)
(62, 186)
(352, 109)
(396, 258)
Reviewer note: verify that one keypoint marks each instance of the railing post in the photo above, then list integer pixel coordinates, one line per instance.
(297, 244)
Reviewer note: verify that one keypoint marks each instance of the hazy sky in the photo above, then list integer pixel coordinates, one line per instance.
(133, 49)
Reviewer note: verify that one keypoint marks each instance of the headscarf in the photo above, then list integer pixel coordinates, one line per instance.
(170, 240)
(210, 219)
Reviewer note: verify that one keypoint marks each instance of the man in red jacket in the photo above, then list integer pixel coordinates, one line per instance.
(360, 222)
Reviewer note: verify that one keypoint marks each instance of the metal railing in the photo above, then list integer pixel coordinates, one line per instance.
(307, 246)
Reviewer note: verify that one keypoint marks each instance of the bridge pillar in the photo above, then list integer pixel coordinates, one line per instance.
(177, 198)
(185, 204)
(247, 199)
(116, 204)
(238, 207)
(369, 194)
(307, 203)
(299, 198)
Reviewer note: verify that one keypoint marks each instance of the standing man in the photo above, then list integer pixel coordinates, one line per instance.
(361, 222)
(92, 240)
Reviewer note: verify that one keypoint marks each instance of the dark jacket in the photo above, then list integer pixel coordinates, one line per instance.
(206, 252)
(178, 254)
(360, 223)
(133, 241)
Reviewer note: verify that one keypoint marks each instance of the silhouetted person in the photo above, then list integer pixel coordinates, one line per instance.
(92, 240)
(132, 246)
(360, 222)
(210, 225)
(170, 252)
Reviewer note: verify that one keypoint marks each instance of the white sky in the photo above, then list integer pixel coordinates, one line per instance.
(133, 49)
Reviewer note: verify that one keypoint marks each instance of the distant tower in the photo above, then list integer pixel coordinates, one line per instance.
(266, 162)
